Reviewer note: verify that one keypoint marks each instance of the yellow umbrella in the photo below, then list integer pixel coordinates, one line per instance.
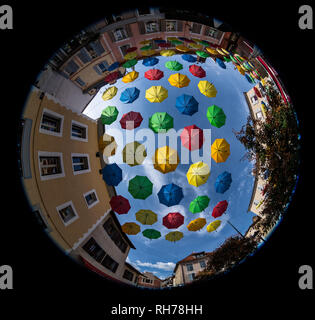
(171, 38)
(212, 51)
(148, 53)
(131, 76)
(167, 53)
(241, 70)
(130, 55)
(263, 109)
(220, 150)
(107, 145)
(156, 94)
(196, 224)
(182, 48)
(222, 53)
(195, 45)
(207, 88)
(174, 236)
(263, 82)
(223, 50)
(145, 42)
(179, 80)
(134, 153)
(213, 225)
(198, 173)
(146, 216)
(130, 228)
(109, 93)
(165, 159)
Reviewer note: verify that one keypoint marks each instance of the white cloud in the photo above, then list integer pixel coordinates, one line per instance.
(166, 266)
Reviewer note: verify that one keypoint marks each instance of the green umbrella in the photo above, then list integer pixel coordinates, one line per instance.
(161, 122)
(146, 48)
(130, 63)
(199, 204)
(151, 233)
(233, 59)
(202, 54)
(109, 115)
(227, 59)
(216, 116)
(174, 65)
(176, 42)
(204, 43)
(140, 187)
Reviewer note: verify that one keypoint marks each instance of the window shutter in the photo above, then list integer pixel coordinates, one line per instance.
(71, 67)
(206, 30)
(162, 25)
(141, 27)
(128, 30)
(179, 25)
(97, 47)
(84, 55)
(196, 28)
(97, 70)
(111, 36)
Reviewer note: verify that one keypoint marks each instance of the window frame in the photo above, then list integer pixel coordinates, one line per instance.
(63, 206)
(53, 114)
(95, 202)
(51, 154)
(73, 164)
(146, 24)
(79, 124)
(192, 267)
(125, 34)
(176, 26)
(259, 112)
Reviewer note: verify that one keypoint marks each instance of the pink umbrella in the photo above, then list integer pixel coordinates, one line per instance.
(192, 137)
(173, 220)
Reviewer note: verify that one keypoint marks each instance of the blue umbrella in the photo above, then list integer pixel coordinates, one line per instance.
(113, 66)
(129, 95)
(151, 61)
(189, 58)
(220, 63)
(248, 78)
(223, 182)
(159, 41)
(186, 104)
(170, 194)
(112, 174)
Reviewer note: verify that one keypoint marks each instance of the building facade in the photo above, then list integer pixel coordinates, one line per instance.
(149, 280)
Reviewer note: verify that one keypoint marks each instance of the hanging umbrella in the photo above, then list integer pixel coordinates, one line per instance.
(140, 187)
(160, 122)
(164, 44)
(156, 94)
(109, 115)
(219, 209)
(221, 52)
(257, 92)
(226, 59)
(131, 120)
(220, 63)
(131, 49)
(130, 63)
(207, 88)
(107, 145)
(151, 234)
(212, 51)
(216, 116)
(146, 217)
(249, 78)
(154, 74)
(213, 225)
(158, 40)
(174, 236)
(131, 76)
(240, 70)
(189, 58)
(223, 182)
(179, 80)
(197, 71)
(173, 220)
(195, 45)
(176, 42)
(134, 153)
(148, 53)
(113, 66)
(198, 173)
(130, 55)
(147, 47)
(165, 159)
(129, 95)
(170, 194)
(197, 224)
(182, 48)
(112, 76)
(130, 228)
(204, 43)
(109, 93)
(202, 54)
(199, 204)
(186, 104)
(173, 65)
(192, 137)
(151, 61)
(167, 53)
(112, 174)
(225, 51)
(233, 59)
(119, 204)
(145, 42)
(220, 150)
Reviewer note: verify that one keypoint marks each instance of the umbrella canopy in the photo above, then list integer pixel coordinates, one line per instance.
(148, 53)
(197, 224)
(189, 58)
(198, 173)
(112, 174)
(197, 71)
(176, 42)
(165, 159)
(154, 74)
(182, 48)
(192, 137)
(109, 115)
(131, 120)
(129, 95)
(212, 51)
(249, 78)
(147, 217)
(219, 209)
(202, 54)
(140, 187)
(156, 94)
(151, 234)
(113, 66)
(134, 153)
(112, 76)
(220, 63)
(130, 55)
(233, 59)
(173, 220)
(207, 88)
(220, 150)
(160, 122)
(195, 45)
(173, 65)
(164, 44)
(213, 225)
(130, 228)
(221, 52)
(131, 76)
(223, 182)
(186, 104)
(179, 80)
(109, 93)
(167, 53)
(174, 236)
(226, 59)
(151, 61)
(130, 63)
(147, 47)
(216, 116)
(120, 204)
(225, 51)
(199, 204)
(158, 40)
(170, 194)
(107, 145)
(145, 42)
(131, 49)
(240, 70)
(257, 92)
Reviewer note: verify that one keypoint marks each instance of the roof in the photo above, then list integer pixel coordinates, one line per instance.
(146, 274)
(192, 257)
(128, 265)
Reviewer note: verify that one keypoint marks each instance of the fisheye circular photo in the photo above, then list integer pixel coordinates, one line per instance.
(159, 147)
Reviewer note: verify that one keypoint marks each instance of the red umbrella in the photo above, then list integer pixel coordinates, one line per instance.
(154, 74)
(132, 49)
(192, 137)
(131, 120)
(197, 71)
(219, 209)
(112, 76)
(257, 92)
(164, 44)
(173, 220)
(120, 204)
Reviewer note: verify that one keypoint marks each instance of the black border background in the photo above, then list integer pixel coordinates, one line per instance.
(46, 282)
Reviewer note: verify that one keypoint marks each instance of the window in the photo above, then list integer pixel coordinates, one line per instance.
(203, 264)
(128, 275)
(71, 67)
(103, 66)
(79, 131)
(115, 235)
(171, 26)
(109, 263)
(196, 28)
(259, 115)
(50, 165)
(91, 198)
(120, 34)
(80, 82)
(191, 276)
(151, 26)
(95, 48)
(214, 33)
(80, 163)
(190, 267)
(256, 203)
(51, 123)
(84, 55)
(123, 49)
(67, 213)
(253, 99)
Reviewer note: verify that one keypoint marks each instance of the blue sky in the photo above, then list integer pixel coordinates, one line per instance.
(160, 256)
